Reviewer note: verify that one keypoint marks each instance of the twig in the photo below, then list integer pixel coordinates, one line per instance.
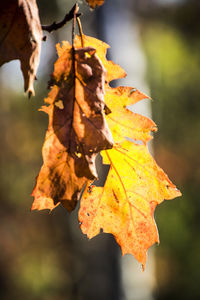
(75, 11)
(69, 16)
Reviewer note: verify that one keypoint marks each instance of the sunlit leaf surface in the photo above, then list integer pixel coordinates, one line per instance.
(78, 130)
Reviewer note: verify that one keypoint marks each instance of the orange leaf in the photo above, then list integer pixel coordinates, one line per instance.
(75, 110)
(125, 205)
(135, 184)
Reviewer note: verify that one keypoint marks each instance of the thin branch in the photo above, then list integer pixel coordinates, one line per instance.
(55, 26)
(75, 11)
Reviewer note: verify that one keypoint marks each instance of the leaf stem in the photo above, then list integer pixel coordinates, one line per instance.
(80, 29)
(76, 8)
(75, 11)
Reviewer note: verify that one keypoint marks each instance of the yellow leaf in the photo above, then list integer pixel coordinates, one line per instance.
(135, 184)
(121, 121)
(122, 96)
(125, 205)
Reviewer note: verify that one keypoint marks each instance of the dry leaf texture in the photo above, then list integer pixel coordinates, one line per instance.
(135, 184)
(77, 128)
(20, 37)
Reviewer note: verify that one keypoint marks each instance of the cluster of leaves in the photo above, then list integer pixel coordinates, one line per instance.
(87, 116)
(79, 128)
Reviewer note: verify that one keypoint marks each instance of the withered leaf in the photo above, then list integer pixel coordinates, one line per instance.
(135, 184)
(20, 37)
(77, 128)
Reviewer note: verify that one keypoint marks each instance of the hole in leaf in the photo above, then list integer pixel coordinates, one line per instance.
(59, 104)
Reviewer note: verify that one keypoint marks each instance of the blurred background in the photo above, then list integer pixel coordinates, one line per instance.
(45, 256)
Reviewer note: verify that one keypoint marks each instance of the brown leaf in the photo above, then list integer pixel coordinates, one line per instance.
(94, 3)
(77, 128)
(20, 37)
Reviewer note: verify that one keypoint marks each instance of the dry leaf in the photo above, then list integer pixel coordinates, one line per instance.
(94, 3)
(122, 122)
(125, 205)
(77, 128)
(20, 37)
(135, 184)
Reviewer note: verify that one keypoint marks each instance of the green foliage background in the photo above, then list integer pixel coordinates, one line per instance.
(172, 48)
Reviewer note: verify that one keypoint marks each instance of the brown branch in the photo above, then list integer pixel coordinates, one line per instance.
(55, 26)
